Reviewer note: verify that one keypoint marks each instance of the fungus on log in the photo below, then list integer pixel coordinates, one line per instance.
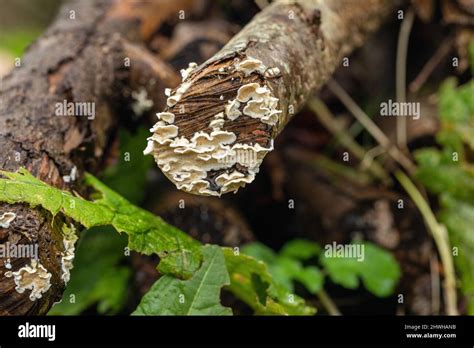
(222, 120)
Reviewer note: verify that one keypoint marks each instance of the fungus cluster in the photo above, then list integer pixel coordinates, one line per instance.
(67, 256)
(6, 219)
(32, 277)
(212, 160)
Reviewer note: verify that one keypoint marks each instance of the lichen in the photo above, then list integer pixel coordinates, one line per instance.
(32, 277)
(6, 219)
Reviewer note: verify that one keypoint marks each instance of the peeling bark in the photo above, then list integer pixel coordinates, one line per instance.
(228, 111)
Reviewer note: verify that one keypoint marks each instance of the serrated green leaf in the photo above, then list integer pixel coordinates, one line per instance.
(199, 295)
(448, 173)
(312, 278)
(180, 255)
(447, 178)
(243, 270)
(286, 267)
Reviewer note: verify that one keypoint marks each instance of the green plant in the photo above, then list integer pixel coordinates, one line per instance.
(304, 262)
(448, 172)
(180, 255)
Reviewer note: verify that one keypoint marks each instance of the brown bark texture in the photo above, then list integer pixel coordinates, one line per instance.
(222, 120)
(81, 58)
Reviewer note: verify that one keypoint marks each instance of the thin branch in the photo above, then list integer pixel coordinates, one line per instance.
(441, 238)
(328, 120)
(401, 74)
(435, 284)
(432, 63)
(371, 127)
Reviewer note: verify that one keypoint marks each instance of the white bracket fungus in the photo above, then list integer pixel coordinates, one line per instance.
(250, 65)
(72, 175)
(67, 256)
(187, 162)
(141, 102)
(6, 219)
(32, 277)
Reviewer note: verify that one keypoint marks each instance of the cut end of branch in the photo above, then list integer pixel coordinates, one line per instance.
(218, 126)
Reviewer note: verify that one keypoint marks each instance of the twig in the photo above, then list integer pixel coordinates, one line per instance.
(370, 155)
(401, 74)
(435, 283)
(440, 237)
(328, 303)
(432, 63)
(371, 127)
(329, 121)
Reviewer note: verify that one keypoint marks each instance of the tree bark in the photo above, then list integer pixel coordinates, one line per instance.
(222, 120)
(82, 58)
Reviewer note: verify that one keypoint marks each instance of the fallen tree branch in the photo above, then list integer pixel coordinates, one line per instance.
(223, 119)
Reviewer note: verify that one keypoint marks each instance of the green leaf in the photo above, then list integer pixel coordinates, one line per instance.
(180, 255)
(312, 278)
(199, 295)
(378, 270)
(440, 175)
(342, 271)
(251, 281)
(15, 41)
(453, 178)
(260, 252)
(300, 249)
(284, 271)
(286, 267)
(97, 277)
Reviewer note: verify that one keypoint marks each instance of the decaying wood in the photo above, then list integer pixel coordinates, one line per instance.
(222, 120)
(78, 60)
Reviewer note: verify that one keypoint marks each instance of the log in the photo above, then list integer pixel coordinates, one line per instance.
(80, 59)
(222, 120)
